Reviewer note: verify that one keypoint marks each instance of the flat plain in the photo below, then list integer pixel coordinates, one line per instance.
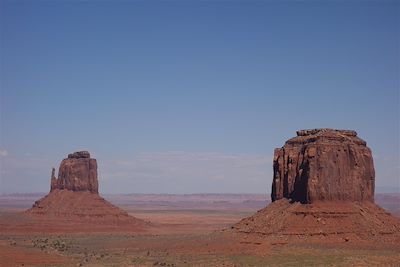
(184, 230)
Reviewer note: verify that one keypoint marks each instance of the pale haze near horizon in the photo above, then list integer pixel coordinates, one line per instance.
(191, 97)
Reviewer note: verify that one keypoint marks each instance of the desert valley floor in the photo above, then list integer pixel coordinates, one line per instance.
(185, 230)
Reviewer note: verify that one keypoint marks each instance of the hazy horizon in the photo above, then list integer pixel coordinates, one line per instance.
(378, 190)
(186, 97)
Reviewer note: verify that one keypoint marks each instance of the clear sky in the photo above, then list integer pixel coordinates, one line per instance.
(192, 96)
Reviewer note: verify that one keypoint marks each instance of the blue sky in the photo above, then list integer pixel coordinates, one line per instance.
(192, 96)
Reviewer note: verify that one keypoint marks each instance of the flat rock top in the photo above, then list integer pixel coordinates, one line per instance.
(326, 135)
(79, 155)
(322, 131)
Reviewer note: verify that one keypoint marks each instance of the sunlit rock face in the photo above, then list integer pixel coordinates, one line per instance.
(323, 165)
(78, 172)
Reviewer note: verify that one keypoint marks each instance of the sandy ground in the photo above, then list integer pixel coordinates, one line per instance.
(179, 235)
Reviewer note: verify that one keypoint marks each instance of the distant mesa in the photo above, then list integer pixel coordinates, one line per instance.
(323, 187)
(74, 195)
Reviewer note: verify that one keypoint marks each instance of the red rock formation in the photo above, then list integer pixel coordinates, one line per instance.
(323, 188)
(78, 172)
(324, 165)
(74, 196)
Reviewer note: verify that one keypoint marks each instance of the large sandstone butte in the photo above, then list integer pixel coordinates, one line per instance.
(323, 164)
(74, 197)
(323, 187)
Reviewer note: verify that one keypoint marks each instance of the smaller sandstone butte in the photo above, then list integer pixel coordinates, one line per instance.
(78, 172)
(74, 197)
(323, 165)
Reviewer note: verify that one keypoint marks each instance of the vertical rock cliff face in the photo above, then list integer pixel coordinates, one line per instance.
(324, 165)
(78, 172)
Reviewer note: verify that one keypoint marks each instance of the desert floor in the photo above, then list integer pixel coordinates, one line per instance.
(185, 230)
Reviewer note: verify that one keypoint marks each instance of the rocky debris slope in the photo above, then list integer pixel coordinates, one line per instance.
(335, 220)
(323, 187)
(67, 203)
(323, 164)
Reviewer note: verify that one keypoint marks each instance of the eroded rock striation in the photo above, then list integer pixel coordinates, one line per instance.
(78, 172)
(323, 165)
